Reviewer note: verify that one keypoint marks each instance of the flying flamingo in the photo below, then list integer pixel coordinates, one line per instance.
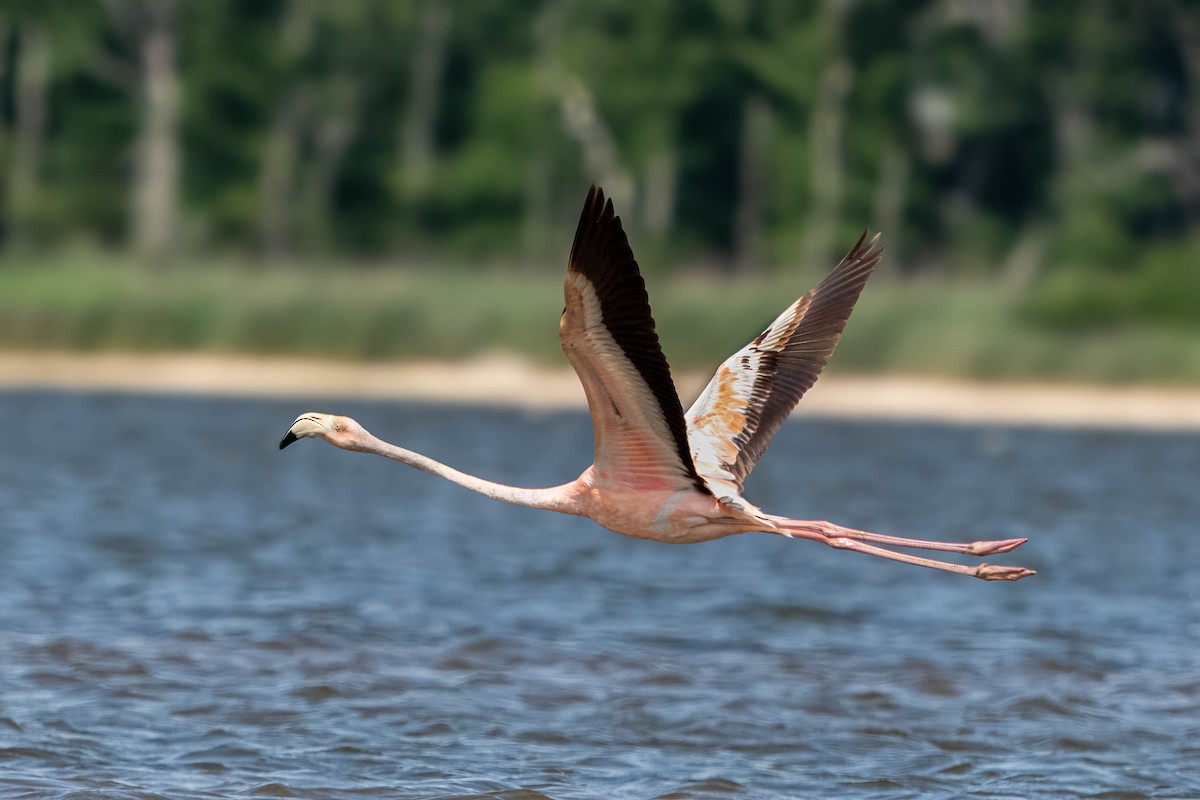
(659, 473)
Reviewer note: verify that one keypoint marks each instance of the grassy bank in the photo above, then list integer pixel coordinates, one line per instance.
(961, 330)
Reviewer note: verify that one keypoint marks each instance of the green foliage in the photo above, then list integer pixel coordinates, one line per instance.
(732, 134)
(959, 329)
(1161, 286)
(981, 102)
(101, 303)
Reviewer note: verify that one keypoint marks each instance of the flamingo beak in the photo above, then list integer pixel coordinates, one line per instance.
(305, 425)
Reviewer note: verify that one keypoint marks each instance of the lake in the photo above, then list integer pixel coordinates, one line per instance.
(187, 612)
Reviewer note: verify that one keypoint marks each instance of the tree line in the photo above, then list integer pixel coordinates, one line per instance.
(1002, 137)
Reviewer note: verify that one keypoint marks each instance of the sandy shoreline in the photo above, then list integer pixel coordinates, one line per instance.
(514, 382)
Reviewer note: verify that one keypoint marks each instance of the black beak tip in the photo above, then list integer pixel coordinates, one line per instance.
(291, 437)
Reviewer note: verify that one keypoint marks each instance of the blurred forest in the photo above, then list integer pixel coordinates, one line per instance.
(1048, 150)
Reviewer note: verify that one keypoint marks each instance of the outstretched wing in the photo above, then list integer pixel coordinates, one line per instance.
(754, 391)
(608, 335)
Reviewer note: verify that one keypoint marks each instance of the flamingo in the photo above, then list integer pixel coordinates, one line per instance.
(659, 473)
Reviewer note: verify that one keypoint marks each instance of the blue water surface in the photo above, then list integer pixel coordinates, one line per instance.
(186, 612)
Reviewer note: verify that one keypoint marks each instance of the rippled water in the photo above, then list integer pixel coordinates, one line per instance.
(187, 612)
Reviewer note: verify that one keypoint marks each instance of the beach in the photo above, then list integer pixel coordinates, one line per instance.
(513, 381)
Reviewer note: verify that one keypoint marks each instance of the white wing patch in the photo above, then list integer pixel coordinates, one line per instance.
(720, 422)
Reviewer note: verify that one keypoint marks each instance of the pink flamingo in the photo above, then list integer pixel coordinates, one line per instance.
(659, 473)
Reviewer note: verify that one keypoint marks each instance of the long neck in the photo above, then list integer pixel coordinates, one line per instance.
(555, 498)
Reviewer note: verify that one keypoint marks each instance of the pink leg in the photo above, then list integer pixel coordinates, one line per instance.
(972, 549)
(987, 572)
(833, 538)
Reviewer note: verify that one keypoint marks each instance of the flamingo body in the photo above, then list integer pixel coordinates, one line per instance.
(659, 473)
(673, 516)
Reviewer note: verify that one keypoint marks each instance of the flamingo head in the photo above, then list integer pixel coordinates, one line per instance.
(339, 431)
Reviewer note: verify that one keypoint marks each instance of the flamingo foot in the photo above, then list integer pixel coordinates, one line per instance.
(999, 572)
(994, 548)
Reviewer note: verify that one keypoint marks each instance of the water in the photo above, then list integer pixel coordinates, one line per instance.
(187, 612)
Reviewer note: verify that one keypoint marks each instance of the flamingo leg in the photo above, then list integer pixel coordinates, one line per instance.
(843, 539)
(986, 572)
(828, 529)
